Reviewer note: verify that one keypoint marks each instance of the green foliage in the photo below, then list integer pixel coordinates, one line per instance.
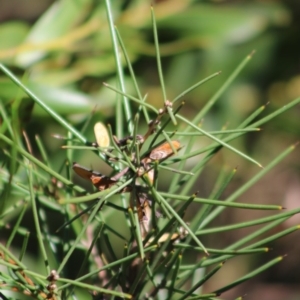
(95, 240)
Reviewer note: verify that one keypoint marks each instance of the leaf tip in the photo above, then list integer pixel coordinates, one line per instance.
(251, 54)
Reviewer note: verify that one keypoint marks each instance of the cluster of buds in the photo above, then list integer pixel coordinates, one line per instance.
(51, 287)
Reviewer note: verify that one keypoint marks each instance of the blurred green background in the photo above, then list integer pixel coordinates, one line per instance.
(63, 52)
